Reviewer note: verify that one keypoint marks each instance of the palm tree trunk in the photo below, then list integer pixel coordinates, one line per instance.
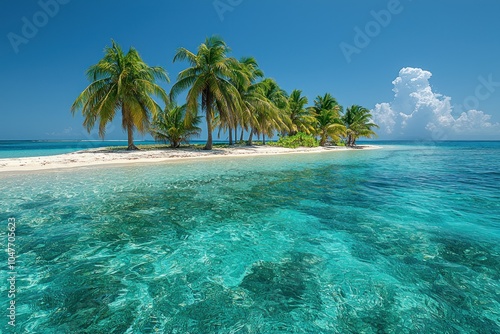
(241, 137)
(208, 145)
(130, 138)
(350, 141)
(322, 142)
(129, 126)
(249, 141)
(235, 132)
(263, 139)
(230, 136)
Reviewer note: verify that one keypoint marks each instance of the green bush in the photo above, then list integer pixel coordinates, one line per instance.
(298, 140)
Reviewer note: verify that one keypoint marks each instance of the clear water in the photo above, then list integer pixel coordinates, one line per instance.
(400, 240)
(39, 148)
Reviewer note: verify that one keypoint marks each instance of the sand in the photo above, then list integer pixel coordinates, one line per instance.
(103, 156)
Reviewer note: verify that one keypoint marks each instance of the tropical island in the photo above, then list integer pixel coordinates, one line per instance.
(235, 97)
(226, 186)
(233, 94)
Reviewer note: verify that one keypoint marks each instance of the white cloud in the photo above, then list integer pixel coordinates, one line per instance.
(419, 113)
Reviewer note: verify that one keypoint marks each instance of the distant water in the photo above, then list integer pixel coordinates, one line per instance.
(38, 148)
(400, 240)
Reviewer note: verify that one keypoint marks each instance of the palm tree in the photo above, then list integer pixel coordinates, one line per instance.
(171, 125)
(301, 118)
(274, 117)
(123, 82)
(229, 121)
(256, 107)
(328, 123)
(358, 122)
(326, 101)
(209, 79)
(249, 94)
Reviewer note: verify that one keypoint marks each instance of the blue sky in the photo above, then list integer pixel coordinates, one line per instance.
(426, 68)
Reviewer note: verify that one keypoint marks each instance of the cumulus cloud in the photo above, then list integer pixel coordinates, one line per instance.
(419, 113)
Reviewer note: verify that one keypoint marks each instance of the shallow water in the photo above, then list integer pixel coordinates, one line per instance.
(39, 148)
(400, 240)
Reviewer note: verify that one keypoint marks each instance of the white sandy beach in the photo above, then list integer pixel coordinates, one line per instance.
(103, 156)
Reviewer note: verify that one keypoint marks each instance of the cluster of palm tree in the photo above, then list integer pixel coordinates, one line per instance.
(233, 94)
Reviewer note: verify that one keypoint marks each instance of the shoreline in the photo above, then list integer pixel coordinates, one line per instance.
(105, 156)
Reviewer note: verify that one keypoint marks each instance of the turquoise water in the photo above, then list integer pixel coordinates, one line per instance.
(39, 148)
(400, 240)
